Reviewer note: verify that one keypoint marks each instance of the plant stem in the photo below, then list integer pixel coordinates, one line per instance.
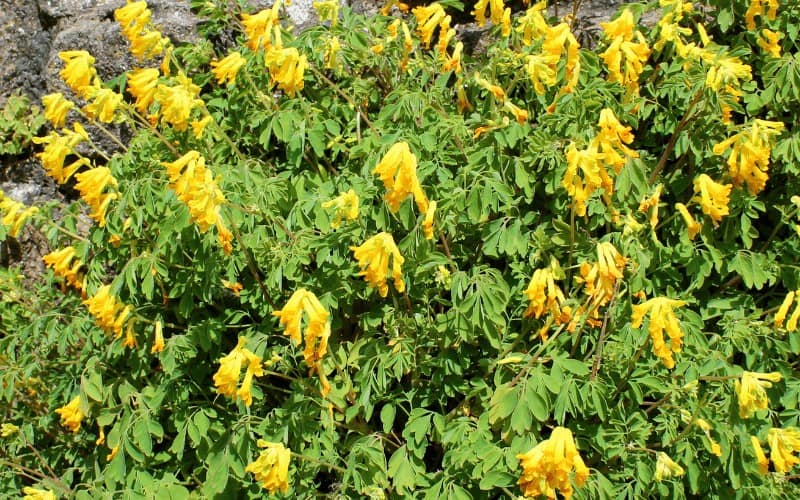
(330, 466)
(687, 116)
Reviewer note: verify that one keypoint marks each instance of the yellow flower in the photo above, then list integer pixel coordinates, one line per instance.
(713, 197)
(177, 102)
(453, 62)
(72, 415)
(588, 162)
(495, 90)
(78, 72)
(158, 338)
(112, 454)
(727, 71)
(662, 318)
(532, 25)
(446, 34)
(62, 263)
(142, 86)
(763, 462)
(91, 185)
(327, 10)
(56, 108)
(780, 316)
(557, 40)
(57, 148)
(692, 225)
(542, 70)
(751, 393)
(373, 259)
(750, 152)
(520, 114)
(37, 494)
(15, 214)
(635, 54)
(332, 53)
(398, 171)
(227, 68)
(427, 223)
(318, 327)
(148, 44)
(666, 468)
(132, 18)
(198, 126)
(650, 204)
(345, 206)
(8, 429)
(428, 19)
(612, 140)
(109, 313)
(286, 68)
(104, 104)
(387, 7)
(258, 27)
(226, 380)
(547, 467)
(271, 468)
(496, 11)
(770, 41)
(782, 443)
(756, 8)
(546, 297)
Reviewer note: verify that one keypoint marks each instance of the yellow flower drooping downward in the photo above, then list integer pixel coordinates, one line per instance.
(196, 187)
(71, 414)
(8, 429)
(57, 148)
(782, 443)
(63, 266)
(271, 468)
(692, 225)
(756, 8)
(662, 318)
(37, 494)
(142, 84)
(104, 103)
(259, 26)
(56, 108)
(226, 380)
(627, 52)
(547, 467)
(14, 214)
(428, 19)
(345, 206)
(770, 41)
(496, 12)
(228, 67)
(78, 72)
(158, 338)
(546, 297)
(763, 461)
(373, 259)
(427, 223)
(783, 310)
(92, 185)
(751, 393)
(713, 197)
(286, 68)
(134, 19)
(666, 468)
(177, 101)
(109, 313)
(750, 152)
(318, 326)
(398, 171)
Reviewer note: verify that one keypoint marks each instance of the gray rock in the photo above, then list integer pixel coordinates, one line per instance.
(25, 46)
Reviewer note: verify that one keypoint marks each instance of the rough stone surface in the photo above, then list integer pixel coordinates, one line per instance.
(25, 46)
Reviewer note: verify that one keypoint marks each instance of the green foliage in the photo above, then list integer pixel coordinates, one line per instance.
(437, 389)
(19, 123)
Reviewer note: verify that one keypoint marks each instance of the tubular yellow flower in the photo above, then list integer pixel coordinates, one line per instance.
(318, 327)
(198, 126)
(71, 415)
(62, 263)
(132, 18)
(91, 185)
(227, 68)
(650, 204)
(56, 108)
(453, 62)
(496, 11)
(286, 68)
(158, 338)
(750, 152)
(613, 139)
(271, 468)
(258, 27)
(520, 114)
(78, 72)
(332, 53)
(345, 206)
(327, 10)
(662, 318)
(108, 312)
(427, 223)
(666, 468)
(727, 71)
(635, 54)
(226, 380)
(8, 429)
(542, 70)
(15, 214)
(142, 86)
(756, 8)
(770, 41)
(57, 148)
(580, 188)
(532, 25)
(178, 101)
(495, 90)
(751, 393)
(547, 467)
(763, 462)
(544, 295)
(387, 7)
(780, 316)
(782, 443)
(104, 104)
(37, 494)
(148, 44)
(398, 171)
(713, 197)
(428, 19)
(692, 225)
(373, 259)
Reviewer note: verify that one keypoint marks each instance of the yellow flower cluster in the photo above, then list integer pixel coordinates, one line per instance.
(770, 41)
(72, 415)
(37, 494)
(56, 149)
(628, 46)
(600, 282)
(373, 259)
(196, 187)
(259, 27)
(14, 213)
(666, 468)
(712, 196)
(177, 101)
(428, 19)
(757, 7)
(79, 72)
(704, 426)
(783, 310)
(226, 380)
(134, 18)
(111, 315)
(748, 161)
(56, 107)
(547, 467)
(763, 461)
(103, 106)
(271, 468)
(782, 444)
(546, 297)
(327, 10)
(691, 224)
(66, 266)
(8, 429)
(499, 14)
(345, 206)
(286, 68)
(92, 184)
(751, 393)
(662, 317)
(607, 149)
(228, 67)
(318, 325)
(142, 84)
